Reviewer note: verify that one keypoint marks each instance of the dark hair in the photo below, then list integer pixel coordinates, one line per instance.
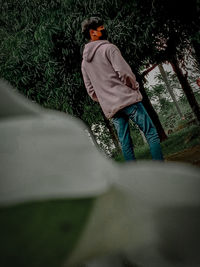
(91, 23)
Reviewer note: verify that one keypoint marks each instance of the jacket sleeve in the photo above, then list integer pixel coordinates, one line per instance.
(122, 68)
(88, 85)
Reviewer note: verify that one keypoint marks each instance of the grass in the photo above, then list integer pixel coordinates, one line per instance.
(176, 142)
(183, 139)
(41, 233)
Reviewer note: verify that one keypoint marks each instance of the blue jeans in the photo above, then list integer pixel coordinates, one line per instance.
(138, 114)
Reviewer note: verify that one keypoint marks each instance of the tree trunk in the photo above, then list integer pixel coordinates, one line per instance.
(170, 90)
(112, 133)
(186, 88)
(151, 111)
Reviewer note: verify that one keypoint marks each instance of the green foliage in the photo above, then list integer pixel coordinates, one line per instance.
(41, 45)
(103, 138)
(40, 54)
(177, 24)
(169, 117)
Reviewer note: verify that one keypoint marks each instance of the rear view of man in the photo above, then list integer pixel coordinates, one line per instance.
(110, 81)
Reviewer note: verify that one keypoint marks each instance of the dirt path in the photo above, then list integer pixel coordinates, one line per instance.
(191, 155)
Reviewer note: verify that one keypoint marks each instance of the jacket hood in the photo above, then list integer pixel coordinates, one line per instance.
(91, 48)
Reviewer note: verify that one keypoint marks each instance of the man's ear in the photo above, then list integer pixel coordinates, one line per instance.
(91, 32)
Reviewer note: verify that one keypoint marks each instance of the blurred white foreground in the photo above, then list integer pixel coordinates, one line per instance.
(146, 212)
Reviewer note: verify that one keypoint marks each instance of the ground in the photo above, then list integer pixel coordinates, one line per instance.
(190, 155)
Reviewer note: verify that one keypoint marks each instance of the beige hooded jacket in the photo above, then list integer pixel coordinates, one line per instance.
(108, 78)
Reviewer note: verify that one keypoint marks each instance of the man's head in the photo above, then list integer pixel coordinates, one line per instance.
(93, 29)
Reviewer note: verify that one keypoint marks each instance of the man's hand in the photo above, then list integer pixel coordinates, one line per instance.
(129, 81)
(137, 86)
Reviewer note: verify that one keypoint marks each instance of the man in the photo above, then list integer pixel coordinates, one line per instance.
(110, 81)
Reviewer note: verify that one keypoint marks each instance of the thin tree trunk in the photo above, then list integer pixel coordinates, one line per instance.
(170, 90)
(112, 133)
(151, 111)
(186, 88)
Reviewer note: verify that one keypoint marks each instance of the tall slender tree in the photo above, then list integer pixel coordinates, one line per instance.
(176, 26)
(170, 90)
